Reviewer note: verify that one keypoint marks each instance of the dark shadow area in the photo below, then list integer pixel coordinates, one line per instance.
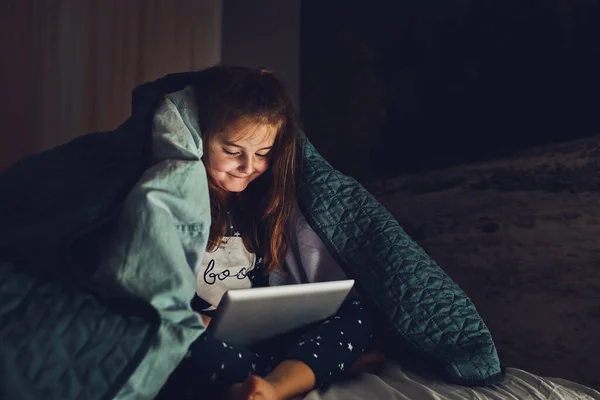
(411, 86)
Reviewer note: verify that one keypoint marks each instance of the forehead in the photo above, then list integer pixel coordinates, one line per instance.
(250, 135)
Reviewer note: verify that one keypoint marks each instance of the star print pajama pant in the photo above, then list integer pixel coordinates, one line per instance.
(328, 348)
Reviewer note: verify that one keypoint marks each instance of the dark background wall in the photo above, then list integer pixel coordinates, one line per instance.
(386, 88)
(413, 85)
(263, 33)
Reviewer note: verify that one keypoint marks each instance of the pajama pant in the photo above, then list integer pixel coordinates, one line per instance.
(329, 348)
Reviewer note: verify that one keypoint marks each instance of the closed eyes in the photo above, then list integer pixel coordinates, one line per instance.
(237, 154)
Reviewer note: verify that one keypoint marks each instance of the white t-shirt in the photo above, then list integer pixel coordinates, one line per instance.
(226, 268)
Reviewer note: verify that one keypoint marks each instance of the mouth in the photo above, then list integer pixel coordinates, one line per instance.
(239, 177)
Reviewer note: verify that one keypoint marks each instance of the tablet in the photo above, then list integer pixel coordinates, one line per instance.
(247, 316)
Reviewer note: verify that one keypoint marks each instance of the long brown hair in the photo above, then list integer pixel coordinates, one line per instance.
(229, 96)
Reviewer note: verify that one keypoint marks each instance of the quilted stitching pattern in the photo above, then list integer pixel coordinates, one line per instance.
(426, 308)
(49, 199)
(60, 343)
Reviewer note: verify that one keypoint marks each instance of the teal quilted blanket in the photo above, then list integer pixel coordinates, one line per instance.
(420, 304)
(58, 342)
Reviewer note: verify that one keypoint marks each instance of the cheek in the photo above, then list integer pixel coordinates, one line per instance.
(219, 164)
(216, 160)
(262, 166)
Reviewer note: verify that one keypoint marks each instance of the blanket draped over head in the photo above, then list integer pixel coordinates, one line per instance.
(98, 238)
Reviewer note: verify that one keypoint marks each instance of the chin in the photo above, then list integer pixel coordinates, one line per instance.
(234, 188)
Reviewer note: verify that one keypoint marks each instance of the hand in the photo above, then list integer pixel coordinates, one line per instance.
(206, 319)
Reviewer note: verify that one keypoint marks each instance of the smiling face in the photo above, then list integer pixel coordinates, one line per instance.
(239, 155)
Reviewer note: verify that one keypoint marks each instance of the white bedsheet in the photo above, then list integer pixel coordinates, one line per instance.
(395, 383)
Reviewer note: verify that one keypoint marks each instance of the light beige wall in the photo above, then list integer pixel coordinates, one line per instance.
(67, 67)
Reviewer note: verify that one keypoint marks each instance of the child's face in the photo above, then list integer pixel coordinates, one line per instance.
(239, 155)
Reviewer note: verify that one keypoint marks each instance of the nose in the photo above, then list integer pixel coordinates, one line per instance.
(246, 166)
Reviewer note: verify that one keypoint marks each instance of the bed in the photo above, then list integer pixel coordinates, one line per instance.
(394, 382)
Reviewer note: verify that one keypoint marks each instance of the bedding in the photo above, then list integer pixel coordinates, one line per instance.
(59, 342)
(423, 311)
(395, 382)
(520, 235)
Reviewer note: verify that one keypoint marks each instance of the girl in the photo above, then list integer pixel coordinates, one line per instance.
(253, 149)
